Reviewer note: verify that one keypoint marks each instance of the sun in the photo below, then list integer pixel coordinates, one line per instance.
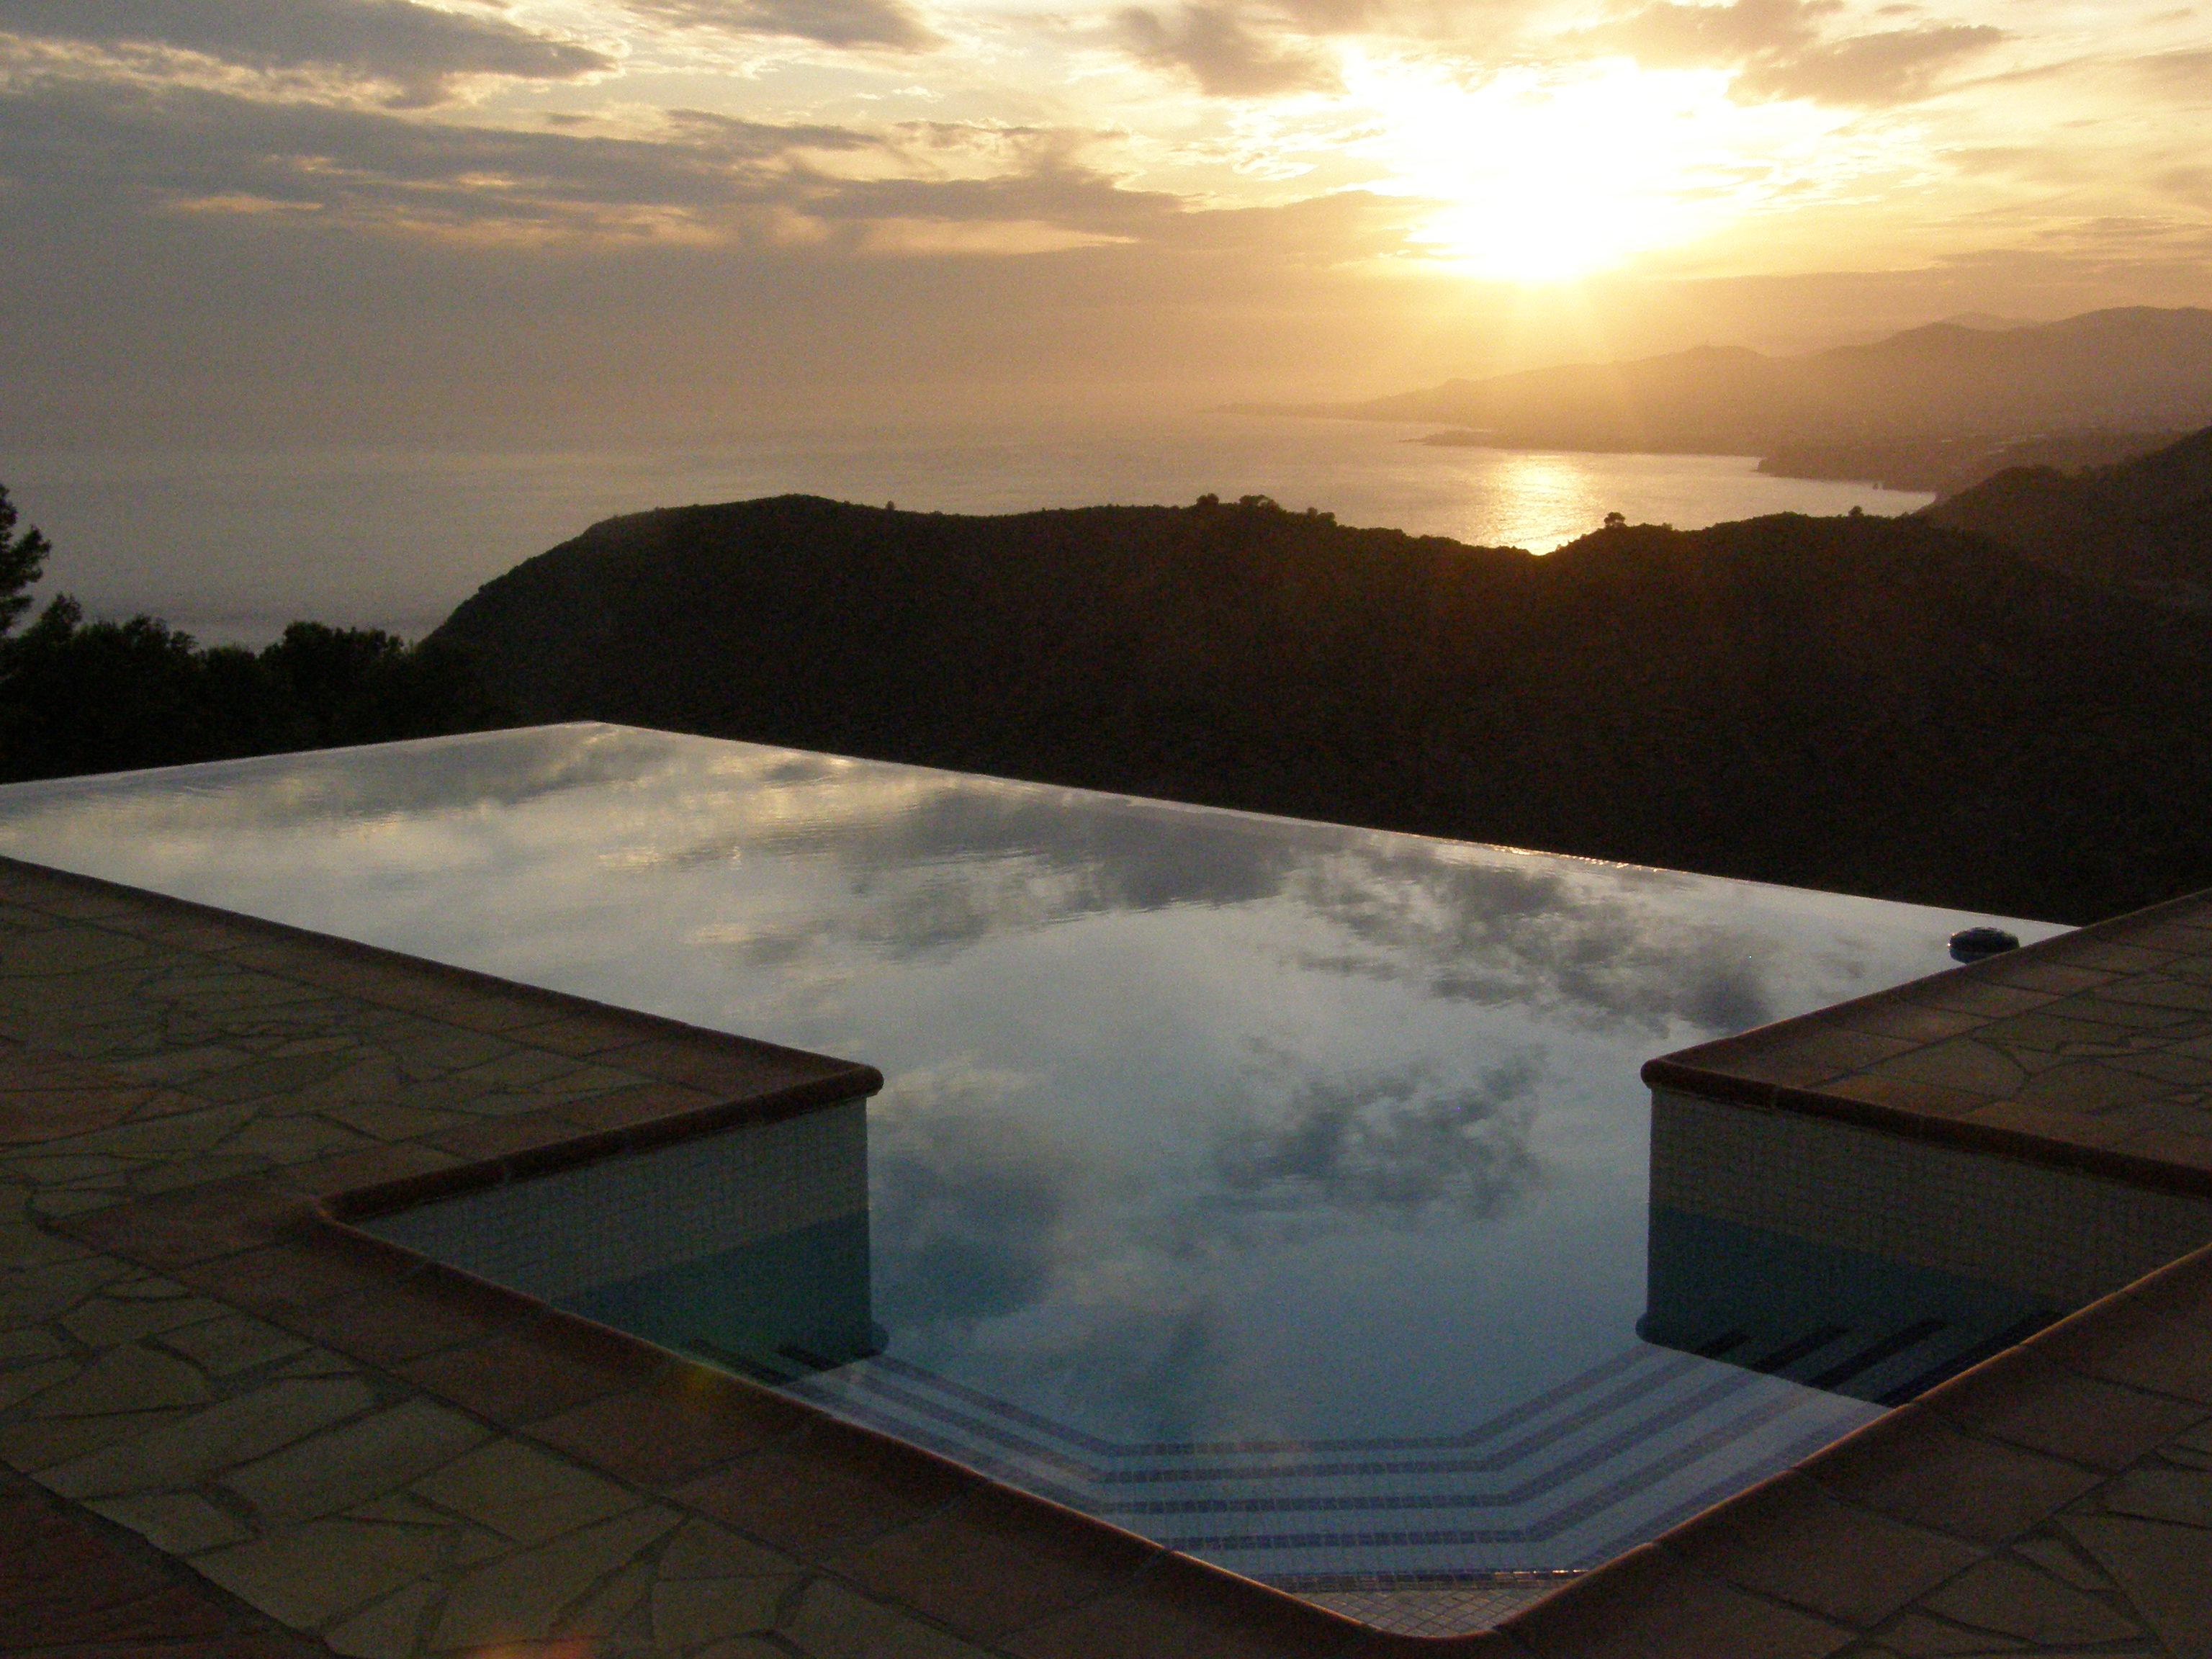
(1546, 178)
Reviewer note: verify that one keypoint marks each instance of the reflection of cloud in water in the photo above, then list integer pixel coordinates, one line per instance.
(992, 1237)
(970, 1201)
(1387, 1144)
(997, 1232)
(942, 870)
(936, 862)
(377, 782)
(1500, 934)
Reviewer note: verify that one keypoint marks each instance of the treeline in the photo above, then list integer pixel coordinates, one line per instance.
(104, 697)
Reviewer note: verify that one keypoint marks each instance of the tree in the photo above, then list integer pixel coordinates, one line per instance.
(22, 560)
(102, 696)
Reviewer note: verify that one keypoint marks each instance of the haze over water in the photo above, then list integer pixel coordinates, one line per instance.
(233, 546)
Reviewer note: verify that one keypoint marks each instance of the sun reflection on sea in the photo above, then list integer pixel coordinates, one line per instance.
(1544, 499)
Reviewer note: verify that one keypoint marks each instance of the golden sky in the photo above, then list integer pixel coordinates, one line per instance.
(272, 194)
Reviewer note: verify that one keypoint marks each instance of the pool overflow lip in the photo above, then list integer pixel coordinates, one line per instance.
(1634, 1591)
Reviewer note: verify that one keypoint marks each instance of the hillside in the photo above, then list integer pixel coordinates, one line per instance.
(1877, 706)
(2144, 525)
(1948, 465)
(2132, 369)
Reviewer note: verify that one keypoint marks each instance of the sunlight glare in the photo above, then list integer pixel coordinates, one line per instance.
(1544, 178)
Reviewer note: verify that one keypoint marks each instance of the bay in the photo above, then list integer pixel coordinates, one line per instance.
(232, 546)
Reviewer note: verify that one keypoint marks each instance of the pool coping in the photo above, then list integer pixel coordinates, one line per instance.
(1756, 1574)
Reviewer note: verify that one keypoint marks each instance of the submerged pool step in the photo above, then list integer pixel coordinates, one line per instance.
(1589, 1467)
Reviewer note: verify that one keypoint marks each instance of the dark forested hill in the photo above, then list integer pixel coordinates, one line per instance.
(2144, 525)
(1878, 706)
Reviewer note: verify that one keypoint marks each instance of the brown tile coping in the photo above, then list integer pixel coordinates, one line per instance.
(1930, 1059)
(897, 1551)
(462, 996)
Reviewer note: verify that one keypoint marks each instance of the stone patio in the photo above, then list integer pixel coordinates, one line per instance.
(289, 1435)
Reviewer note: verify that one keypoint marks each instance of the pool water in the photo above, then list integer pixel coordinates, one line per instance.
(1277, 1190)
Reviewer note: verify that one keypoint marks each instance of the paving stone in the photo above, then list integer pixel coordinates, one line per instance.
(343, 1466)
(654, 1438)
(27, 1346)
(2058, 1558)
(692, 1612)
(295, 1139)
(62, 1201)
(2016, 1600)
(107, 1319)
(519, 1376)
(181, 1522)
(2175, 1495)
(993, 1564)
(33, 1294)
(151, 1288)
(1915, 1634)
(38, 1446)
(128, 1378)
(66, 1588)
(234, 1343)
(1789, 1541)
(524, 1493)
(260, 1079)
(742, 1647)
(1916, 1467)
(614, 1618)
(170, 1138)
(524, 1595)
(390, 1629)
(702, 1550)
(20, 1385)
(381, 1119)
(2164, 1571)
(308, 1574)
(831, 1622)
(187, 1449)
(2024, 1399)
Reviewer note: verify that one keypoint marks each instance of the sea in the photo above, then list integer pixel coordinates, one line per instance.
(230, 547)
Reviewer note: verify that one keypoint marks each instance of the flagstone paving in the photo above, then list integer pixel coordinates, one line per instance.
(372, 1456)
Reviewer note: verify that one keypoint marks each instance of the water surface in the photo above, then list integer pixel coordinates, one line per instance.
(1276, 1189)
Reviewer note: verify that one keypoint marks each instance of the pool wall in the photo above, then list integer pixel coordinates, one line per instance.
(2063, 1235)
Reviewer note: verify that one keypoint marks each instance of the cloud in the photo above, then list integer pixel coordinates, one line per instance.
(2186, 74)
(1500, 935)
(419, 49)
(1895, 67)
(829, 22)
(1386, 1145)
(1780, 49)
(689, 177)
(1219, 47)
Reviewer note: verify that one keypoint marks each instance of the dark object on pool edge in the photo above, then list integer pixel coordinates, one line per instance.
(1973, 944)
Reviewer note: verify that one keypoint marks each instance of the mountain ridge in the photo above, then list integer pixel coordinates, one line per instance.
(2127, 367)
(1891, 707)
(2144, 526)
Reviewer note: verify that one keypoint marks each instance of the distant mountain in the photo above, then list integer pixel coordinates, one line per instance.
(2132, 369)
(2144, 526)
(1879, 706)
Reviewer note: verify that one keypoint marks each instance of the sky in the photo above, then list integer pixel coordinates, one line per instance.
(276, 222)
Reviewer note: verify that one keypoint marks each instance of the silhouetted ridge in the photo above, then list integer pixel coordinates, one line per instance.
(1878, 706)
(2144, 526)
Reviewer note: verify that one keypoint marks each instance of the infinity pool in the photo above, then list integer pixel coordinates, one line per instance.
(1277, 1190)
